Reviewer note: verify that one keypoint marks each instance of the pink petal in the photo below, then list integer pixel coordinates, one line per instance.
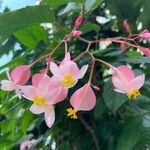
(119, 91)
(49, 116)
(76, 33)
(59, 95)
(69, 68)
(82, 72)
(119, 84)
(84, 98)
(136, 83)
(146, 51)
(36, 109)
(124, 73)
(21, 74)
(36, 79)
(43, 86)
(145, 34)
(7, 85)
(66, 59)
(55, 69)
(29, 92)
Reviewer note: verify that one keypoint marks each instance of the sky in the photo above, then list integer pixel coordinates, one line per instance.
(16, 4)
(12, 5)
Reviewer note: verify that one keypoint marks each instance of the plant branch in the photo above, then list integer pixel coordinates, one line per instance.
(91, 132)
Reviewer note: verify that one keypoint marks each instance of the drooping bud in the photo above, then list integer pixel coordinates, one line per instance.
(146, 51)
(78, 21)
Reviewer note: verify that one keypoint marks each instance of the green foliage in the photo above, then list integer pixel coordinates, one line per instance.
(116, 122)
(113, 99)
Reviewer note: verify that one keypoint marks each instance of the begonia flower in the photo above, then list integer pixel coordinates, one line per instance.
(16, 78)
(125, 81)
(67, 73)
(44, 95)
(83, 99)
(145, 34)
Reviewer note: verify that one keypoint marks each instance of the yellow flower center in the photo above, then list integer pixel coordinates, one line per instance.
(68, 81)
(39, 101)
(72, 113)
(133, 94)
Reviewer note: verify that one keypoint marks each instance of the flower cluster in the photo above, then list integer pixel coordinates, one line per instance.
(46, 91)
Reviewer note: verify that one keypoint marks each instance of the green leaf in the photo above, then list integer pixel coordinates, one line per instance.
(89, 26)
(139, 60)
(11, 22)
(113, 99)
(31, 36)
(130, 135)
(89, 4)
(100, 108)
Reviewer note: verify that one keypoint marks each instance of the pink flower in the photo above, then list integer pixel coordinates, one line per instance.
(44, 95)
(27, 144)
(145, 34)
(18, 77)
(83, 99)
(76, 33)
(67, 73)
(125, 81)
(146, 51)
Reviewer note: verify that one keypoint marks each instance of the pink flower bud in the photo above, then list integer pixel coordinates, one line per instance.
(76, 33)
(78, 21)
(21, 74)
(146, 51)
(145, 34)
(126, 25)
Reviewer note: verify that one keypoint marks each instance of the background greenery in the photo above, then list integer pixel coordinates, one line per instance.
(116, 122)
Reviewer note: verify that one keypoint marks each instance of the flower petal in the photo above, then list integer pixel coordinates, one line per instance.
(7, 85)
(49, 116)
(66, 59)
(29, 91)
(69, 68)
(136, 83)
(55, 69)
(59, 95)
(119, 84)
(124, 73)
(36, 109)
(43, 86)
(36, 79)
(84, 98)
(21, 74)
(82, 72)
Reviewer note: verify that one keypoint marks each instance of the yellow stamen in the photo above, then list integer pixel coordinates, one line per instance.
(68, 81)
(72, 113)
(133, 94)
(39, 101)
